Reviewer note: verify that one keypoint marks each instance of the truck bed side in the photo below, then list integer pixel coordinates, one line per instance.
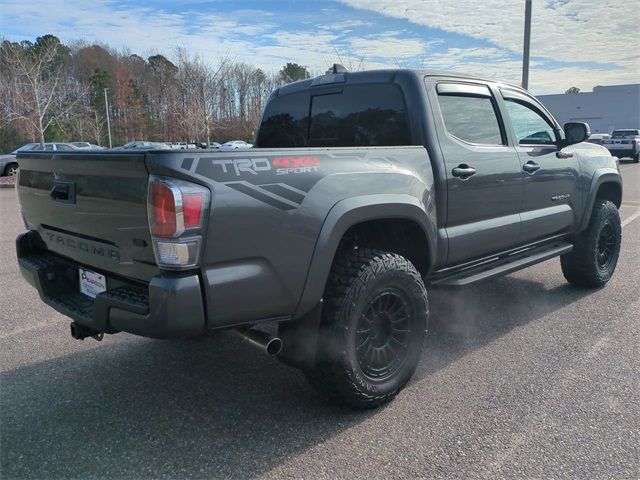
(268, 208)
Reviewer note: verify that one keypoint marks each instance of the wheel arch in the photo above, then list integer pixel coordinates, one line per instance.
(605, 185)
(358, 214)
(5, 170)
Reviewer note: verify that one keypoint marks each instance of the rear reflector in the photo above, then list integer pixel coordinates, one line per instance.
(177, 254)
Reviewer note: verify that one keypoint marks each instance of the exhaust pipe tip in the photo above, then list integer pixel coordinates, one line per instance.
(273, 346)
(268, 343)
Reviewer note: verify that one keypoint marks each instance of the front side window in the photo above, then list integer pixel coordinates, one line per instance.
(471, 118)
(530, 127)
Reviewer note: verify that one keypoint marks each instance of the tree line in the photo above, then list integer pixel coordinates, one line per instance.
(50, 91)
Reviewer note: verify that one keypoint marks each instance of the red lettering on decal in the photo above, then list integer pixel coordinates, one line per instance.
(296, 162)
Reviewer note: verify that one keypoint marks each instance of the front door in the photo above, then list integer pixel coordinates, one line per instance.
(484, 183)
(550, 175)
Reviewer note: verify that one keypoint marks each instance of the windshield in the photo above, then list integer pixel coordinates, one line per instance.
(24, 148)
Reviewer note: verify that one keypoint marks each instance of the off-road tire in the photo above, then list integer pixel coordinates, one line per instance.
(362, 284)
(586, 265)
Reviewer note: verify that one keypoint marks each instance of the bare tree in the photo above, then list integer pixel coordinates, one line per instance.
(350, 62)
(48, 90)
(39, 96)
(83, 121)
(199, 85)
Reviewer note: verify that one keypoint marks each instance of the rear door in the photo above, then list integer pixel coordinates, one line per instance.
(550, 201)
(484, 183)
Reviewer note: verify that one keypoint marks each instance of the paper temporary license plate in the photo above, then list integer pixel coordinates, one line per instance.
(92, 283)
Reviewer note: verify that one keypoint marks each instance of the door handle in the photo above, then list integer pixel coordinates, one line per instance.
(564, 154)
(463, 171)
(530, 166)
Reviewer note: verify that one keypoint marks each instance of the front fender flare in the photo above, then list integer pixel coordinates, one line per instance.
(600, 177)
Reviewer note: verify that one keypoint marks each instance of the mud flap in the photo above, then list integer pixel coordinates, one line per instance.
(300, 339)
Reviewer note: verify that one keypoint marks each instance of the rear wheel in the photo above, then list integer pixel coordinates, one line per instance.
(374, 322)
(11, 169)
(636, 158)
(595, 252)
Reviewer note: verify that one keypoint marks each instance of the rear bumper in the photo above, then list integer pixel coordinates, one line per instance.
(166, 307)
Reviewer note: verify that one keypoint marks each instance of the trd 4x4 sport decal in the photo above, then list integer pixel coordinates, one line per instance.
(282, 181)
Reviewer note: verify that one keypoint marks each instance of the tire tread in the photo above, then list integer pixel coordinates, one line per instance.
(349, 275)
(578, 266)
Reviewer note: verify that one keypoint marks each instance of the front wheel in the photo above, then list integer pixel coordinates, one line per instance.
(374, 322)
(595, 252)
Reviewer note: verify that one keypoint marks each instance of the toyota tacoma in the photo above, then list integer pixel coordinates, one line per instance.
(363, 191)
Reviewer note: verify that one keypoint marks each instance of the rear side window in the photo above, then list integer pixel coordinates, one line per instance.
(285, 122)
(471, 118)
(363, 115)
(368, 115)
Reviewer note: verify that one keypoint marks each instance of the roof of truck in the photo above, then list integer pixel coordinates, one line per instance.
(377, 76)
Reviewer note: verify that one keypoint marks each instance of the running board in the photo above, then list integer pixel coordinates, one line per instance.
(501, 265)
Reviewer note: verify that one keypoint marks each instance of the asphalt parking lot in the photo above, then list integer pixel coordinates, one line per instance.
(523, 377)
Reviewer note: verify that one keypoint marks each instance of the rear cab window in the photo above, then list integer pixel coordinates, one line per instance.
(625, 133)
(285, 122)
(365, 115)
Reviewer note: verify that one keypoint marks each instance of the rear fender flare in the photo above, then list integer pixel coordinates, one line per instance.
(352, 211)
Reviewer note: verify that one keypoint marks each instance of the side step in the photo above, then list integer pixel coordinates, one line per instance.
(501, 265)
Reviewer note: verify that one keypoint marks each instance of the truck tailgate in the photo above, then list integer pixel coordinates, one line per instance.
(91, 208)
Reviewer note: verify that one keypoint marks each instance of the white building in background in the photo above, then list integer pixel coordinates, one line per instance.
(604, 109)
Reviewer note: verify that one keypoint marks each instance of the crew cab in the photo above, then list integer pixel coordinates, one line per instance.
(624, 143)
(363, 190)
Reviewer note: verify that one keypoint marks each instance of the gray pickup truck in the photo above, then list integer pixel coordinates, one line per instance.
(363, 190)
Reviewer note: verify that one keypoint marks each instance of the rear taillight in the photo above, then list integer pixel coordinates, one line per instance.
(163, 219)
(177, 213)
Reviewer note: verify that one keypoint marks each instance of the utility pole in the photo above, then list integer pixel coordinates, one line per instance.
(106, 107)
(527, 43)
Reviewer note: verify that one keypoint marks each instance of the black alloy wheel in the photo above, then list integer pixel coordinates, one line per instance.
(383, 333)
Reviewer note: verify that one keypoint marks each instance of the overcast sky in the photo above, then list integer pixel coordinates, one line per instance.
(580, 43)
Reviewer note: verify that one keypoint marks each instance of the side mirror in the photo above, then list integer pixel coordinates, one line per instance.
(576, 132)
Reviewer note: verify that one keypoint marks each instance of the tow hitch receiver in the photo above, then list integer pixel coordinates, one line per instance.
(80, 332)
